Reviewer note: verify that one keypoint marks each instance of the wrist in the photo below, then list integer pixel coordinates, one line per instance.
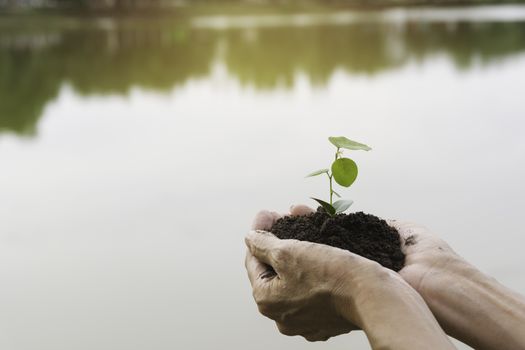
(363, 290)
(366, 291)
(379, 303)
(443, 273)
(393, 315)
(473, 307)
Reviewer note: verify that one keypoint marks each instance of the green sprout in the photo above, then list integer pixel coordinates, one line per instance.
(343, 171)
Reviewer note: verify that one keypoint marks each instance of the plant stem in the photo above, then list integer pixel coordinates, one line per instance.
(330, 176)
(331, 190)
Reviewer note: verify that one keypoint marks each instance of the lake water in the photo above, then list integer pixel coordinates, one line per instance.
(134, 154)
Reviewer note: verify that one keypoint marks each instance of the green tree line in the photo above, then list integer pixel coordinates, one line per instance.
(35, 64)
(164, 4)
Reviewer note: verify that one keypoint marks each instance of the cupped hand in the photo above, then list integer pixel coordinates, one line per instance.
(459, 295)
(469, 305)
(296, 285)
(310, 289)
(427, 256)
(430, 262)
(318, 292)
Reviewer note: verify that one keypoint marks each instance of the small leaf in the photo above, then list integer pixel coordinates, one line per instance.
(327, 206)
(343, 142)
(344, 171)
(318, 172)
(337, 194)
(342, 204)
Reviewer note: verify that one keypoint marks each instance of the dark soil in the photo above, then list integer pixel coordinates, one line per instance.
(360, 233)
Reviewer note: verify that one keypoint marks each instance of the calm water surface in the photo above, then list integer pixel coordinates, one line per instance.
(134, 154)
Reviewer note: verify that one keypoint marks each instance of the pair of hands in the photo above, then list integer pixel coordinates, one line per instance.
(318, 292)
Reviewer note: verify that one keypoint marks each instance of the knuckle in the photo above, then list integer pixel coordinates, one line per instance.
(282, 253)
(382, 273)
(285, 317)
(311, 338)
(317, 336)
(266, 306)
(265, 309)
(286, 330)
(260, 297)
(308, 246)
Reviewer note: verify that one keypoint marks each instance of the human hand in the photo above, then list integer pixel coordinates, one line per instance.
(426, 254)
(428, 259)
(297, 285)
(319, 291)
(469, 305)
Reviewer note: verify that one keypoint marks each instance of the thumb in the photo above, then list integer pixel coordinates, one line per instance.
(265, 219)
(300, 210)
(264, 246)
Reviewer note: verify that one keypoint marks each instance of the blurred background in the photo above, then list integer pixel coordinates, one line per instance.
(139, 138)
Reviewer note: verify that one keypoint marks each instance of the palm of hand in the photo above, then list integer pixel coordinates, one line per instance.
(299, 298)
(313, 316)
(426, 256)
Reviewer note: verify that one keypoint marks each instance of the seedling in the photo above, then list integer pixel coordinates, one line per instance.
(343, 171)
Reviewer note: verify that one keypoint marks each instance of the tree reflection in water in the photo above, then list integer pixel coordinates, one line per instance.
(111, 57)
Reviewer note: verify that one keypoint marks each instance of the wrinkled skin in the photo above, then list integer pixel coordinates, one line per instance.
(319, 320)
(426, 255)
(469, 305)
(318, 291)
(304, 295)
(299, 303)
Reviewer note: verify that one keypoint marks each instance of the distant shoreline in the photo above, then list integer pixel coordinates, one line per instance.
(240, 9)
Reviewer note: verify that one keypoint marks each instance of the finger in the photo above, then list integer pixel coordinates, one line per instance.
(300, 210)
(265, 219)
(315, 336)
(264, 246)
(287, 330)
(257, 270)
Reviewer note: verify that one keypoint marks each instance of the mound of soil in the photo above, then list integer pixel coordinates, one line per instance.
(360, 233)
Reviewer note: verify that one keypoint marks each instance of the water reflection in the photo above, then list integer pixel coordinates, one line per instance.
(111, 57)
(121, 224)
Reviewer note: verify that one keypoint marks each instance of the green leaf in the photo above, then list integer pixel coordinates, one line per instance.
(337, 194)
(343, 142)
(342, 204)
(344, 171)
(327, 206)
(318, 172)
